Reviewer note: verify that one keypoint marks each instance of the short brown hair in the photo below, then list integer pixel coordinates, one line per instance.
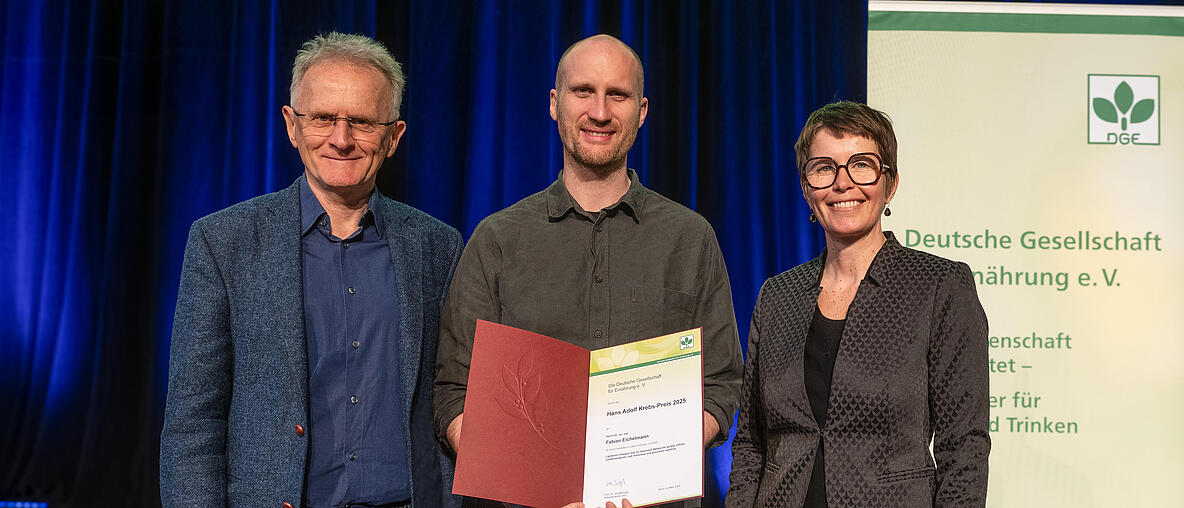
(845, 118)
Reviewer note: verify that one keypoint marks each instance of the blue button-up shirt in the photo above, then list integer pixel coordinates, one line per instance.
(358, 450)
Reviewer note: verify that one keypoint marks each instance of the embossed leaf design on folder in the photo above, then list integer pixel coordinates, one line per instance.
(525, 400)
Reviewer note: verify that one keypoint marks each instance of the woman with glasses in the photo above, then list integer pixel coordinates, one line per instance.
(861, 358)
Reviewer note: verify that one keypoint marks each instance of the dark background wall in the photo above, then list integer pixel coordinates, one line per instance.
(122, 122)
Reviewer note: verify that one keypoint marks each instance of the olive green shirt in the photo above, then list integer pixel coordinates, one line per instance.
(642, 267)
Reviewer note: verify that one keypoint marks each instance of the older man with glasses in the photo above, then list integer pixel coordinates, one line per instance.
(306, 323)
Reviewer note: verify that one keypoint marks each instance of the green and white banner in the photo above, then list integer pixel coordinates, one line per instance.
(1043, 144)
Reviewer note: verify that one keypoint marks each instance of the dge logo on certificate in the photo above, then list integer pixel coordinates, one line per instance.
(547, 423)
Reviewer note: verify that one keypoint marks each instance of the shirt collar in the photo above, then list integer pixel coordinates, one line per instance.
(879, 272)
(311, 210)
(560, 203)
(370, 217)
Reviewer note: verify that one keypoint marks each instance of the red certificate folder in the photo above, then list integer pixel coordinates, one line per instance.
(526, 405)
(535, 404)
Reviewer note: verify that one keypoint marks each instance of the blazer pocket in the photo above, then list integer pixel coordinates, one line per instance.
(908, 474)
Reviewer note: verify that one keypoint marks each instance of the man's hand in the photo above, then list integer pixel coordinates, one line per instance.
(710, 429)
(453, 432)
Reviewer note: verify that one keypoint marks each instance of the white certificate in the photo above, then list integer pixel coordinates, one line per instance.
(645, 421)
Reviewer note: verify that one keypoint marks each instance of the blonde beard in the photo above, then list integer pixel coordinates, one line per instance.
(604, 163)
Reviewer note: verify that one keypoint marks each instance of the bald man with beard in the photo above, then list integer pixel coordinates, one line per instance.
(596, 259)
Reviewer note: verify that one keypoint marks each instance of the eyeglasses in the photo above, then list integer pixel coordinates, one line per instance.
(862, 168)
(321, 124)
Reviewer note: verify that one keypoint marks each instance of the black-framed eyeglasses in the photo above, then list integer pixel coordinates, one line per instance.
(863, 169)
(322, 123)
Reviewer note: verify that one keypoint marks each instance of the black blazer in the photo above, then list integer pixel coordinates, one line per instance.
(911, 367)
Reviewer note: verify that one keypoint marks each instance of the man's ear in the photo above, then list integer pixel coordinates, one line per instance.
(554, 105)
(644, 107)
(397, 131)
(290, 121)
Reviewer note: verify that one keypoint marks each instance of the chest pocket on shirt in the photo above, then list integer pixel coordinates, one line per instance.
(655, 311)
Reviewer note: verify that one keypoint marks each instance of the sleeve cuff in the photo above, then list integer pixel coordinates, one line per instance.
(724, 421)
(444, 418)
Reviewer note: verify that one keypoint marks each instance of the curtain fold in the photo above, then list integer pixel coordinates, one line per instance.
(123, 122)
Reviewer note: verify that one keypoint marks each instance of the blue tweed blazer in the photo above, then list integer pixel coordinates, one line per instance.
(238, 367)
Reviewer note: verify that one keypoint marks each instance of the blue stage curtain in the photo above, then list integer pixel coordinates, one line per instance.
(125, 121)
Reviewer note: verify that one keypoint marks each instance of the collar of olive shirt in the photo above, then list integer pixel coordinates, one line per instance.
(561, 204)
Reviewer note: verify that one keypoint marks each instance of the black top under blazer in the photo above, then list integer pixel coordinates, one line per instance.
(911, 367)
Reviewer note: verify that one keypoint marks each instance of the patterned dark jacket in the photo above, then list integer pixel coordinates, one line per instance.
(911, 367)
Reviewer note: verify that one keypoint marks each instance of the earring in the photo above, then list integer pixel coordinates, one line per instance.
(887, 211)
(813, 218)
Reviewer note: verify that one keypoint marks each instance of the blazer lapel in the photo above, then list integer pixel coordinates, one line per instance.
(802, 306)
(280, 238)
(860, 360)
(406, 253)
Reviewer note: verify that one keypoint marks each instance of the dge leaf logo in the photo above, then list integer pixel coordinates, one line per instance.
(1116, 112)
(526, 401)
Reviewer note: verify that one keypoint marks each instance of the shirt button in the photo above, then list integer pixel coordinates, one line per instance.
(322, 222)
(353, 456)
(299, 430)
(350, 290)
(598, 279)
(597, 333)
(598, 228)
(344, 245)
(355, 344)
(353, 400)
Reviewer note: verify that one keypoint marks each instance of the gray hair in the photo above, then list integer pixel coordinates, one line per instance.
(357, 49)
